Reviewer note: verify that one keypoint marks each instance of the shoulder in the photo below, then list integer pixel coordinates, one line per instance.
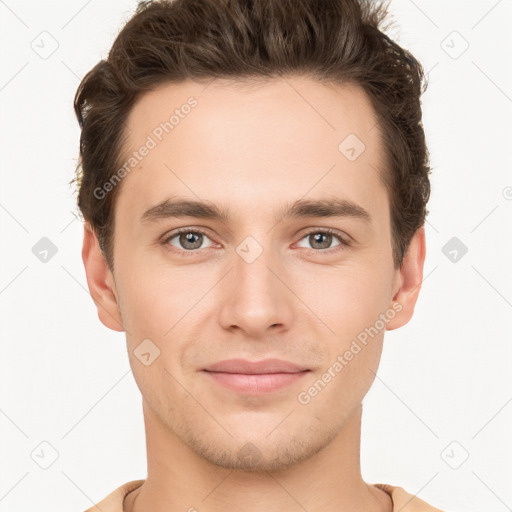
(404, 501)
(114, 501)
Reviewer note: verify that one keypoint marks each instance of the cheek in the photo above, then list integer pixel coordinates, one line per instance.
(154, 308)
(345, 299)
(155, 299)
(164, 306)
(349, 303)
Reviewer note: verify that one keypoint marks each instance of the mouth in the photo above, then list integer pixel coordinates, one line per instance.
(255, 378)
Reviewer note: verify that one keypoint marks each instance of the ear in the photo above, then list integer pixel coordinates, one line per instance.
(100, 281)
(407, 281)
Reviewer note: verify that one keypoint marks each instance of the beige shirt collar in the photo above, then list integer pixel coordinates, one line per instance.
(402, 500)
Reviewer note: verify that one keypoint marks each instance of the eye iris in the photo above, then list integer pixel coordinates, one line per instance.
(189, 238)
(325, 244)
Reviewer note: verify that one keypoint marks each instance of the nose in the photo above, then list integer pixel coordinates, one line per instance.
(254, 297)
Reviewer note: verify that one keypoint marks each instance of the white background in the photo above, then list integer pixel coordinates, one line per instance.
(444, 378)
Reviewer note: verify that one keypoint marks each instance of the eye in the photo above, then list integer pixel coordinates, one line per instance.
(187, 240)
(321, 240)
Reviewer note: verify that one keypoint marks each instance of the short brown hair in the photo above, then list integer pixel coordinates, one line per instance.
(333, 40)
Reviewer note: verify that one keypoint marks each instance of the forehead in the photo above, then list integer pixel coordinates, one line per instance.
(228, 104)
(240, 143)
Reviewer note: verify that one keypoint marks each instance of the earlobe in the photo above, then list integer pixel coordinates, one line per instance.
(410, 277)
(100, 281)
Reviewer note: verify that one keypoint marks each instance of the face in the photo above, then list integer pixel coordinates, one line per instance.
(274, 277)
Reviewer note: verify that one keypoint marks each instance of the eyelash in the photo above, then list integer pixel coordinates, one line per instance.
(342, 246)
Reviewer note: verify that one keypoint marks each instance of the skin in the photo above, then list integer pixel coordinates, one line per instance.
(253, 149)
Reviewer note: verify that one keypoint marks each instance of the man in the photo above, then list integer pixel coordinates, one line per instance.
(254, 179)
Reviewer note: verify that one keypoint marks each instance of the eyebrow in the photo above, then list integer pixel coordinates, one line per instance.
(302, 208)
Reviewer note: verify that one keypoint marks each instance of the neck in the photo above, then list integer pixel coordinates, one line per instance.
(180, 479)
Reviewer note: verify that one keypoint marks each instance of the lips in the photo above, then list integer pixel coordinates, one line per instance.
(255, 378)
(267, 366)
